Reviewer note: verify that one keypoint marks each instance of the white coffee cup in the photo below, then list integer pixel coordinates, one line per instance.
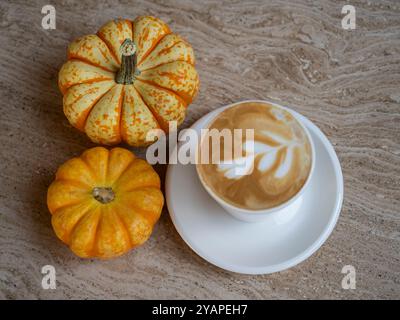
(281, 213)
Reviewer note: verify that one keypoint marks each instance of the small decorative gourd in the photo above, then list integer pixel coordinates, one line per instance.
(129, 78)
(104, 203)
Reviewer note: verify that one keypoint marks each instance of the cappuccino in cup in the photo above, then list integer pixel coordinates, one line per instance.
(275, 164)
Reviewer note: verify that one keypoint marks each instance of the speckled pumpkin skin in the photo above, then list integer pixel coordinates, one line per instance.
(93, 229)
(110, 112)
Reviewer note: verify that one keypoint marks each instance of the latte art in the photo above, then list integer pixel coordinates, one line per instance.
(270, 169)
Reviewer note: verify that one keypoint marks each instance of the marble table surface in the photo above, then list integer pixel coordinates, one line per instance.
(292, 52)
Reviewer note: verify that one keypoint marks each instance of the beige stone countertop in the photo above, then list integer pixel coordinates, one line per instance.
(291, 52)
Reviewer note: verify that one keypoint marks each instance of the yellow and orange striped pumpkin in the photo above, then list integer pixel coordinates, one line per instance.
(129, 78)
(104, 203)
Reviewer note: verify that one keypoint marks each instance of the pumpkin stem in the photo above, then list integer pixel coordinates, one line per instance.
(128, 71)
(103, 194)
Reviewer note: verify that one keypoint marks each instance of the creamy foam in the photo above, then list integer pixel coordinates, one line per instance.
(270, 169)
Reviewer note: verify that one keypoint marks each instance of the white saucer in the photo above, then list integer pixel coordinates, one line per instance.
(264, 247)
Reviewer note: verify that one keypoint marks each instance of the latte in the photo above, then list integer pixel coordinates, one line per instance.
(269, 169)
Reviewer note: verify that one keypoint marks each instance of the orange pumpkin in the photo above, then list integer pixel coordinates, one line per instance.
(104, 203)
(129, 78)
